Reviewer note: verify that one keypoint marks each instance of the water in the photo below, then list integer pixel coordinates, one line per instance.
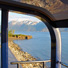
(64, 57)
(40, 45)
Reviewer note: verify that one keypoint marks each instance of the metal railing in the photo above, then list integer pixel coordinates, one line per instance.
(30, 62)
(63, 64)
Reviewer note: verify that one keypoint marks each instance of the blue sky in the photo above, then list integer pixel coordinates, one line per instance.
(20, 17)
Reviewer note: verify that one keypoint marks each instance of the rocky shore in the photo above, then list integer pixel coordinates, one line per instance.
(22, 56)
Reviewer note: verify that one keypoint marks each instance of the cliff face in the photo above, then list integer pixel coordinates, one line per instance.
(54, 6)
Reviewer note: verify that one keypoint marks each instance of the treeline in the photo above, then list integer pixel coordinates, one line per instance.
(11, 33)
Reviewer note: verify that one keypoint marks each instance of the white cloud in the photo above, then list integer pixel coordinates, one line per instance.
(21, 17)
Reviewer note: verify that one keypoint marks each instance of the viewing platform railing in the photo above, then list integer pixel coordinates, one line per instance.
(30, 62)
(63, 64)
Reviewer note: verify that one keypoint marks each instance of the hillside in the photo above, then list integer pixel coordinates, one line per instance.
(38, 27)
(30, 26)
(27, 26)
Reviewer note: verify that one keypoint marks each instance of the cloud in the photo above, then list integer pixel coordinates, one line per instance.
(21, 17)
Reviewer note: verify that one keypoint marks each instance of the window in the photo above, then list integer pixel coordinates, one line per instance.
(54, 32)
(37, 48)
(64, 36)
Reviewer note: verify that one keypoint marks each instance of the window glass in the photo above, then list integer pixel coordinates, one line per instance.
(29, 39)
(64, 37)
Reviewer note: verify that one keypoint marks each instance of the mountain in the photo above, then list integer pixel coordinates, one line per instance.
(27, 26)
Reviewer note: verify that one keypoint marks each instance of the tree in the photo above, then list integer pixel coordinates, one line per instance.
(11, 32)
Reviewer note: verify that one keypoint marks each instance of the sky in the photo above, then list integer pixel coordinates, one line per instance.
(20, 17)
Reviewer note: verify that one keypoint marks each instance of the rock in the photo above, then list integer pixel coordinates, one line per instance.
(23, 56)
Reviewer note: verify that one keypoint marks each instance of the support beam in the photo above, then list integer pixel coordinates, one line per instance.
(61, 23)
(58, 47)
(4, 39)
(53, 45)
(18, 65)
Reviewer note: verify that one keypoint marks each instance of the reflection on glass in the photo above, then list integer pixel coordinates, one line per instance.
(56, 7)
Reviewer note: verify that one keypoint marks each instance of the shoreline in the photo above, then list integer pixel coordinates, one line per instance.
(16, 50)
(22, 56)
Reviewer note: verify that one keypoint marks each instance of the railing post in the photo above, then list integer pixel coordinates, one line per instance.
(43, 64)
(18, 65)
(4, 39)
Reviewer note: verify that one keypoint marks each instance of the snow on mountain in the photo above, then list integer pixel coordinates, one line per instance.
(26, 25)
(26, 22)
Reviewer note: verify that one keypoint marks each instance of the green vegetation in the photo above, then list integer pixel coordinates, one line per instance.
(11, 34)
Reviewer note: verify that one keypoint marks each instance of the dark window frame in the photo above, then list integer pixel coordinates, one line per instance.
(7, 6)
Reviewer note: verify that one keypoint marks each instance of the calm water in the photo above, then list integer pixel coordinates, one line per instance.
(40, 45)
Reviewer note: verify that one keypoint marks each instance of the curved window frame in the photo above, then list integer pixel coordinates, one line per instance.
(52, 24)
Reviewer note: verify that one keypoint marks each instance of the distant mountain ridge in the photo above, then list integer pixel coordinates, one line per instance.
(30, 26)
(27, 26)
(38, 27)
(26, 22)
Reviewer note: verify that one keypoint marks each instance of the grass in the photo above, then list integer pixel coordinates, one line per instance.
(16, 35)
